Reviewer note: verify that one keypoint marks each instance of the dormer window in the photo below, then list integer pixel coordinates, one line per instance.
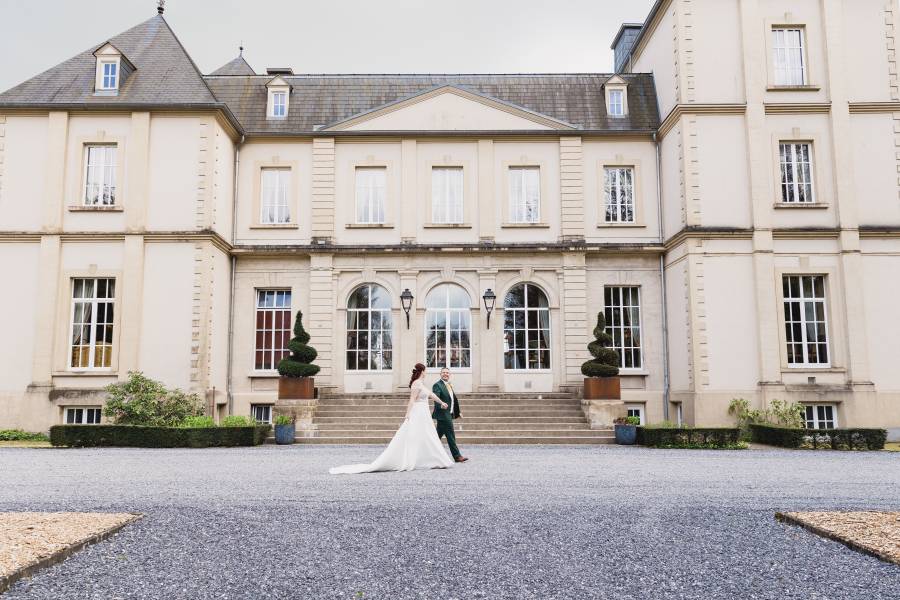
(279, 98)
(112, 70)
(616, 97)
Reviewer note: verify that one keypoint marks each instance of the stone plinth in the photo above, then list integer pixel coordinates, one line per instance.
(601, 413)
(302, 410)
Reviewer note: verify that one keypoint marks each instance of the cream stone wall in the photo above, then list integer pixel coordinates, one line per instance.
(22, 172)
(174, 173)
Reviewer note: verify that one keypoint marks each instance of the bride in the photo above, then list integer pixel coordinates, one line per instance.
(416, 444)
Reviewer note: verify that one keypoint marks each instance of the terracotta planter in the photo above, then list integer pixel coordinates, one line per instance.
(602, 388)
(296, 388)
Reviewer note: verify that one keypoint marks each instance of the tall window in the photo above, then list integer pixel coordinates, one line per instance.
(274, 207)
(100, 175)
(805, 320)
(820, 416)
(279, 104)
(371, 190)
(623, 322)
(796, 172)
(93, 300)
(447, 195)
(616, 103)
(524, 194)
(369, 327)
(83, 415)
(273, 328)
(110, 76)
(526, 328)
(448, 327)
(790, 67)
(618, 188)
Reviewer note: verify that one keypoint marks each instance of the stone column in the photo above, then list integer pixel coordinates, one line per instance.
(406, 339)
(323, 177)
(571, 167)
(319, 319)
(490, 348)
(574, 318)
(47, 326)
(487, 204)
(407, 217)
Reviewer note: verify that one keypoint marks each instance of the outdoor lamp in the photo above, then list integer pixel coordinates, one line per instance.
(489, 298)
(406, 299)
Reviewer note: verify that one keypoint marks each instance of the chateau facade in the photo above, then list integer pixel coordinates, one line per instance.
(729, 198)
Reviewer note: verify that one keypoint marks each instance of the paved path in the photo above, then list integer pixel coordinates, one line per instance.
(514, 522)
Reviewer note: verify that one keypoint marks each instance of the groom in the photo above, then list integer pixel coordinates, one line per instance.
(444, 416)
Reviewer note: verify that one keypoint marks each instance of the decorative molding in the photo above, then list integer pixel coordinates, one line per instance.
(796, 108)
(697, 109)
(874, 107)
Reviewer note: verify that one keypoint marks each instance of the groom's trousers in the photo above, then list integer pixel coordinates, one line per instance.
(445, 428)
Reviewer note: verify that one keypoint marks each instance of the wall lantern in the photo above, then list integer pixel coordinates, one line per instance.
(406, 299)
(489, 298)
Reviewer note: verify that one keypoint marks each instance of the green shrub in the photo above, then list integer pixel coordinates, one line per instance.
(284, 420)
(198, 421)
(606, 360)
(627, 421)
(143, 401)
(298, 364)
(156, 437)
(690, 437)
(238, 421)
(822, 439)
(17, 435)
(779, 414)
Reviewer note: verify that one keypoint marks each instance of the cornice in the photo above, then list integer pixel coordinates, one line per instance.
(874, 107)
(150, 237)
(796, 108)
(708, 233)
(698, 109)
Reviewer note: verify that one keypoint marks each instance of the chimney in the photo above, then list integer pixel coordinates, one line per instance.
(279, 71)
(623, 43)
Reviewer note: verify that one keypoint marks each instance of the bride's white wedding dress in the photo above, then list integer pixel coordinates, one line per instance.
(415, 445)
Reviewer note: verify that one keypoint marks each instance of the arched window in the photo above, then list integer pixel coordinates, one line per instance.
(526, 328)
(369, 345)
(448, 327)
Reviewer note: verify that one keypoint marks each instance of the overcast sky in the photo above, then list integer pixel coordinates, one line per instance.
(332, 36)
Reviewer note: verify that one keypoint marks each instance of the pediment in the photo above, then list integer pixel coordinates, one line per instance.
(615, 80)
(449, 108)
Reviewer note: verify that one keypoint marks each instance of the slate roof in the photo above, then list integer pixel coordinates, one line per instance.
(238, 66)
(165, 76)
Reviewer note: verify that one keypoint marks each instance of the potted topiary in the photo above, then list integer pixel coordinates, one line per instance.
(284, 429)
(626, 430)
(601, 373)
(296, 370)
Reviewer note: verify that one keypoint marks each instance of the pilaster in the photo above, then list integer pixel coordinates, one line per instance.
(489, 348)
(46, 326)
(55, 170)
(408, 217)
(323, 178)
(205, 162)
(487, 204)
(406, 345)
(137, 183)
(574, 309)
(320, 322)
(131, 304)
(571, 174)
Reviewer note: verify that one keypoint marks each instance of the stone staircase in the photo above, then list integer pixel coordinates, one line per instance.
(488, 418)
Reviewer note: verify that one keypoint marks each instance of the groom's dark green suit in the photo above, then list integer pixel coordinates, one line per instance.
(444, 416)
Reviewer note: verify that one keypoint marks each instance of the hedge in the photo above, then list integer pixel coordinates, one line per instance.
(689, 437)
(833, 439)
(156, 437)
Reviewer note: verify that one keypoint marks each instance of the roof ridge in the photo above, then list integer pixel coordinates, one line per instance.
(187, 54)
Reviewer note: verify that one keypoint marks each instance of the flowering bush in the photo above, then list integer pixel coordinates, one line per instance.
(143, 401)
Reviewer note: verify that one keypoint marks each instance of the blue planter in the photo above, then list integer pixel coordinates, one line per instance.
(284, 434)
(626, 434)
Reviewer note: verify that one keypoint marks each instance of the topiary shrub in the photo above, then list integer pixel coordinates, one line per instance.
(298, 364)
(606, 360)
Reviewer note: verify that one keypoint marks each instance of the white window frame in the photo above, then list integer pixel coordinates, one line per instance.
(519, 209)
(790, 160)
(106, 166)
(109, 81)
(786, 72)
(447, 195)
(83, 415)
(618, 179)
(617, 328)
(814, 420)
(94, 302)
(462, 316)
(272, 300)
(275, 194)
(279, 103)
(616, 104)
(800, 317)
(385, 354)
(530, 332)
(264, 410)
(371, 195)
(635, 410)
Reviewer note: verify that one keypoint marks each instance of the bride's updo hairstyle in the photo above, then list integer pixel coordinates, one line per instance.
(416, 372)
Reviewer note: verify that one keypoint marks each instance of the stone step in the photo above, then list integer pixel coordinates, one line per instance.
(396, 420)
(468, 427)
(509, 414)
(463, 401)
(472, 395)
(473, 440)
(460, 435)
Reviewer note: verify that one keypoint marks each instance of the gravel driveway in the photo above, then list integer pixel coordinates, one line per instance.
(513, 522)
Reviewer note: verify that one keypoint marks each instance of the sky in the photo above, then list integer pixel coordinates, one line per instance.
(332, 36)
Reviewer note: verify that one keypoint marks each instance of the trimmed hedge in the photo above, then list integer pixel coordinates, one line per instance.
(689, 437)
(156, 437)
(832, 439)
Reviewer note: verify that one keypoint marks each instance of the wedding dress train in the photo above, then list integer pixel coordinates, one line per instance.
(415, 445)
